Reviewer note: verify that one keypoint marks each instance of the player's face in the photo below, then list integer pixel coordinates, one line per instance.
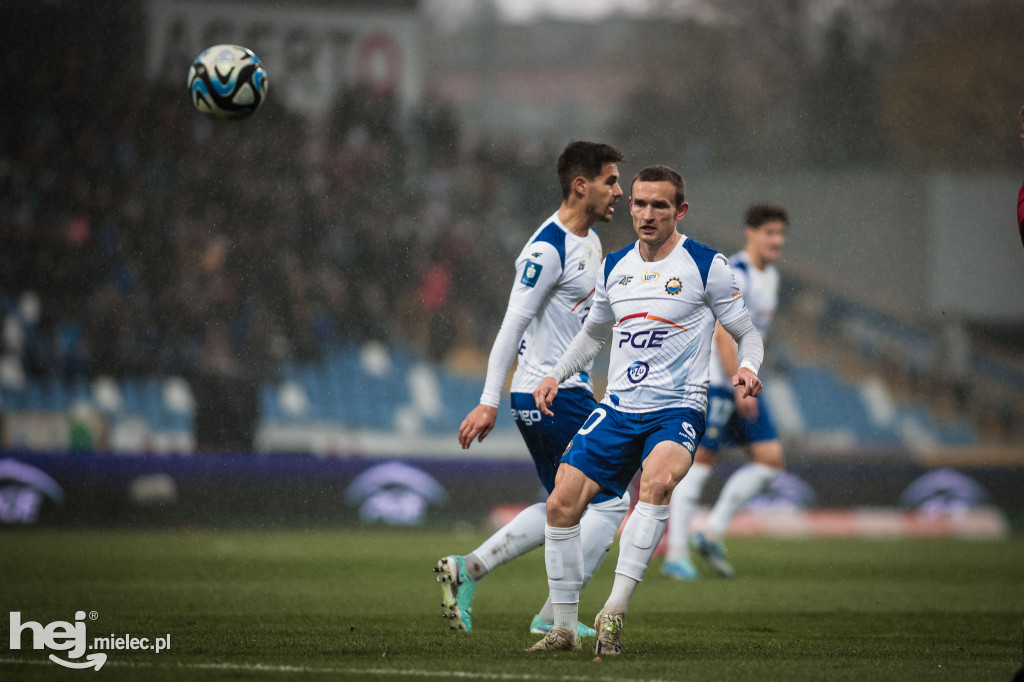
(602, 194)
(654, 210)
(767, 240)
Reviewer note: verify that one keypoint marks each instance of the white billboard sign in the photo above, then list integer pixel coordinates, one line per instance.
(310, 52)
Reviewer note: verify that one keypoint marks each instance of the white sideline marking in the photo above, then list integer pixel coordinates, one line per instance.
(264, 668)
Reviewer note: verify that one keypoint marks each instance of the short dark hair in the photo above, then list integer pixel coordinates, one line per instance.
(662, 174)
(759, 214)
(586, 159)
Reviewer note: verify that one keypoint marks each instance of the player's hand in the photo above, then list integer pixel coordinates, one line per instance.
(478, 422)
(746, 406)
(746, 383)
(545, 394)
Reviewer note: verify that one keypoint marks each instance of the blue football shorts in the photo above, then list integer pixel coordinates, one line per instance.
(612, 445)
(546, 437)
(726, 427)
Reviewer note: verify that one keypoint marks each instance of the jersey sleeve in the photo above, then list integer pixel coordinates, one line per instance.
(503, 354)
(537, 272)
(601, 311)
(723, 291)
(742, 275)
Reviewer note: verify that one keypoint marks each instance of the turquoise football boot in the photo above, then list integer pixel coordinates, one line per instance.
(456, 592)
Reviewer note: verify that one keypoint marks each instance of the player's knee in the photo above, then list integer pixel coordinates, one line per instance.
(659, 490)
(561, 511)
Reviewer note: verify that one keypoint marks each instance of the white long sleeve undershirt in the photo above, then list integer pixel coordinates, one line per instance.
(750, 345)
(503, 354)
(581, 352)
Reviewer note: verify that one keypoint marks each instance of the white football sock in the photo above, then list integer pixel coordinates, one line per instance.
(522, 534)
(597, 532)
(640, 538)
(681, 507)
(744, 484)
(563, 558)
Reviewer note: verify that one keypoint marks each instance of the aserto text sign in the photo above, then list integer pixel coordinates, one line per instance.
(311, 52)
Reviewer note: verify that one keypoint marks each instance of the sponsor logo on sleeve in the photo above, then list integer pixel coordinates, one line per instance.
(531, 273)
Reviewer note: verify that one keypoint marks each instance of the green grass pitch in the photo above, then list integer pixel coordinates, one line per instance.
(363, 604)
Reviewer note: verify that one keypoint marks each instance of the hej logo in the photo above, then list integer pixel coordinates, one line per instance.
(59, 635)
(71, 637)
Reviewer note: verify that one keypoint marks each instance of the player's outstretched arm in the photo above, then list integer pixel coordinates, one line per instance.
(545, 394)
(478, 422)
(482, 418)
(750, 353)
(726, 349)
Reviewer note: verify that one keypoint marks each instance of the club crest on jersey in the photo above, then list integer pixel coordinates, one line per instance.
(650, 276)
(531, 273)
(674, 286)
(637, 372)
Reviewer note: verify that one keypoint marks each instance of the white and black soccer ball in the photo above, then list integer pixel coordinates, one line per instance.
(227, 82)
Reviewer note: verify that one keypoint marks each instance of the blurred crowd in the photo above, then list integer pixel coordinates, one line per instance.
(157, 241)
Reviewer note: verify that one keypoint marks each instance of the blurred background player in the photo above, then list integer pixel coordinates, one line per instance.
(556, 274)
(732, 419)
(659, 298)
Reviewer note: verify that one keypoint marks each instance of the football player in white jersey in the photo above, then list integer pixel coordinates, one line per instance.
(733, 419)
(658, 299)
(556, 274)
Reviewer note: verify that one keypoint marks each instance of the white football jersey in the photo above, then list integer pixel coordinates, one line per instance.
(664, 317)
(760, 290)
(556, 275)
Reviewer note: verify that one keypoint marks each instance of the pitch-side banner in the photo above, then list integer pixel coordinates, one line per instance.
(311, 53)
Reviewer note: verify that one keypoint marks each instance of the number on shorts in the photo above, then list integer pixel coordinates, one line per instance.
(591, 422)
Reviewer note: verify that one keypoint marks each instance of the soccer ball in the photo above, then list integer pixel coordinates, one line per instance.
(227, 82)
